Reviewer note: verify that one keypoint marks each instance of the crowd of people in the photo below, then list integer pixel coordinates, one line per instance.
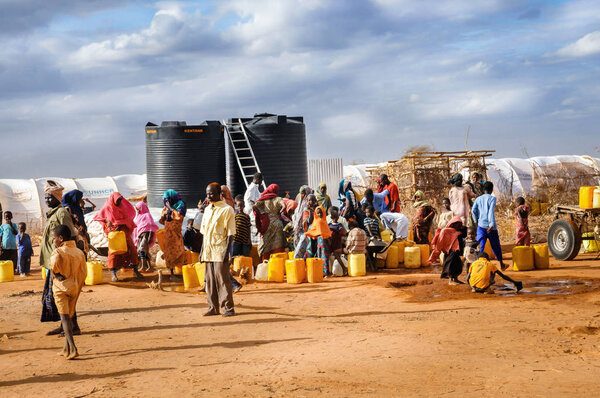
(310, 226)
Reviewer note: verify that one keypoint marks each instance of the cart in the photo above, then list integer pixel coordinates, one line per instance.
(566, 232)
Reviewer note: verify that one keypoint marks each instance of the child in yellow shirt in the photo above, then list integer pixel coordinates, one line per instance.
(481, 275)
(67, 264)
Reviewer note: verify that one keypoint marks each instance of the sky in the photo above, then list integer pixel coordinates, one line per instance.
(372, 78)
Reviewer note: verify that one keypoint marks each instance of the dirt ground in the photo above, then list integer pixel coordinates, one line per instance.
(389, 334)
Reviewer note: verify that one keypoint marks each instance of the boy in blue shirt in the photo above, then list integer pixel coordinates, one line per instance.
(483, 211)
(25, 250)
(8, 234)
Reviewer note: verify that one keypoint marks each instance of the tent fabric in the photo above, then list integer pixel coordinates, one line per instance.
(25, 198)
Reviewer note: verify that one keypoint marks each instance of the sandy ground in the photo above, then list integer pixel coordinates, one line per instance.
(388, 334)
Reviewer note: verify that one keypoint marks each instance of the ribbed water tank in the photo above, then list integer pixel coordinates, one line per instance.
(279, 144)
(184, 158)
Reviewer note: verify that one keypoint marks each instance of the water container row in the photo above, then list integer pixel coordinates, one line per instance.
(589, 197)
(527, 258)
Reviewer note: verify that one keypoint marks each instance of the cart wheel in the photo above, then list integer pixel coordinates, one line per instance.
(564, 240)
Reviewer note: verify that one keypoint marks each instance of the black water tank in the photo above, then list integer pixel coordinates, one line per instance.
(279, 144)
(184, 158)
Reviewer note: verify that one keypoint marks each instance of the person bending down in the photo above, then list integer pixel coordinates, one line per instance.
(68, 269)
(481, 275)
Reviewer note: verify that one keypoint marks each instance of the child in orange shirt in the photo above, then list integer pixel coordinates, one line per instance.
(67, 264)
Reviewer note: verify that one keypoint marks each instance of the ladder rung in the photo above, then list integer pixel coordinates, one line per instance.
(238, 140)
(242, 149)
(246, 158)
(248, 167)
(250, 175)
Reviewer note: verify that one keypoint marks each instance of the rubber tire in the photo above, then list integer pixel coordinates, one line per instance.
(573, 239)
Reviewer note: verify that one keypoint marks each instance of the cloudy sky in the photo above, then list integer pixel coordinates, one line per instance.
(80, 79)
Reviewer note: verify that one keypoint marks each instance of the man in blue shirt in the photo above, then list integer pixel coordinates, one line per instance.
(377, 200)
(8, 234)
(484, 215)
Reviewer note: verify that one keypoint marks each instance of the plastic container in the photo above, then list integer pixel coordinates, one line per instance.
(596, 200)
(7, 272)
(117, 242)
(400, 245)
(391, 261)
(314, 270)
(291, 255)
(160, 260)
(190, 277)
(262, 272)
(424, 254)
(412, 257)
(45, 272)
(200, 273)
(336, 269)
(295, 270)
(586, 197)
(357, 265)
(191, 257)
(160, 239)
(411, 235)
(488, 250)
(178, 270)
(386, 235)
(94, 273)
(589, 246)
(239, 263)
(523, 259)
(284, 256)
(276, 269)
(541, 258)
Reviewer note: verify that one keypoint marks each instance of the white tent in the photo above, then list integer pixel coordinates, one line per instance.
(519, 177)
(25, 198)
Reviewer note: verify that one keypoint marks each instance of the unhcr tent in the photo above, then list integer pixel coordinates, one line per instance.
(529, 177)
(25, 198)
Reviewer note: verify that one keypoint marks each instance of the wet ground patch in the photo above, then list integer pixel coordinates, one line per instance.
(431, 290)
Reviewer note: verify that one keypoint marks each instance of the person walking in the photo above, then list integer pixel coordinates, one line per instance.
(55, 216)
(218, 229)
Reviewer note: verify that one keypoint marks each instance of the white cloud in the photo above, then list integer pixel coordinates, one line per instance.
(585, 46)
(479, 68)
(483, 102)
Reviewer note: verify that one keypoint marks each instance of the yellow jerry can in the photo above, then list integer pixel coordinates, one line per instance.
(541, 258)
(412, 257)
(94, 273)
(7, 272)
(314, 270)
(391, 261)
(276, 269)
(200, 273)
(117, 242)
(190, 277)
(523, 258)
(357, 265)
(295, 270)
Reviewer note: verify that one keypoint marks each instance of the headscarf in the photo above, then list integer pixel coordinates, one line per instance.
(323, 199)
(144, 222)
(446, 239)
(289, 205)
(456, 180)
(117, 215)
(302, 201)
(420, 200)
(271, 192)
(71, 201)
(227, 196)
(319, 226)
(350, 194)
(341, 195)
(174, 199)
(54, 188)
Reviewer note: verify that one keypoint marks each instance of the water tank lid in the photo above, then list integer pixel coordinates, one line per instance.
(210, 123)
(173, 123)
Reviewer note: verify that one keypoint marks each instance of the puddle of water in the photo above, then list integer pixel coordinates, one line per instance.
(560, 287)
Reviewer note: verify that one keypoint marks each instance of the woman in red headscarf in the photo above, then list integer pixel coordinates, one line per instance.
(267, 211)
(117, 214)
(448, 241)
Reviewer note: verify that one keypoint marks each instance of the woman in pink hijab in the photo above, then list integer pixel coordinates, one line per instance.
(144, 234)
(117, 214)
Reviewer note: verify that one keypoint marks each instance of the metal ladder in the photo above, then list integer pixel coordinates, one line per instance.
(242, 149)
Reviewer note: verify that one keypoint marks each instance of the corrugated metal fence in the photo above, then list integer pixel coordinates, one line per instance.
(329, 171)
